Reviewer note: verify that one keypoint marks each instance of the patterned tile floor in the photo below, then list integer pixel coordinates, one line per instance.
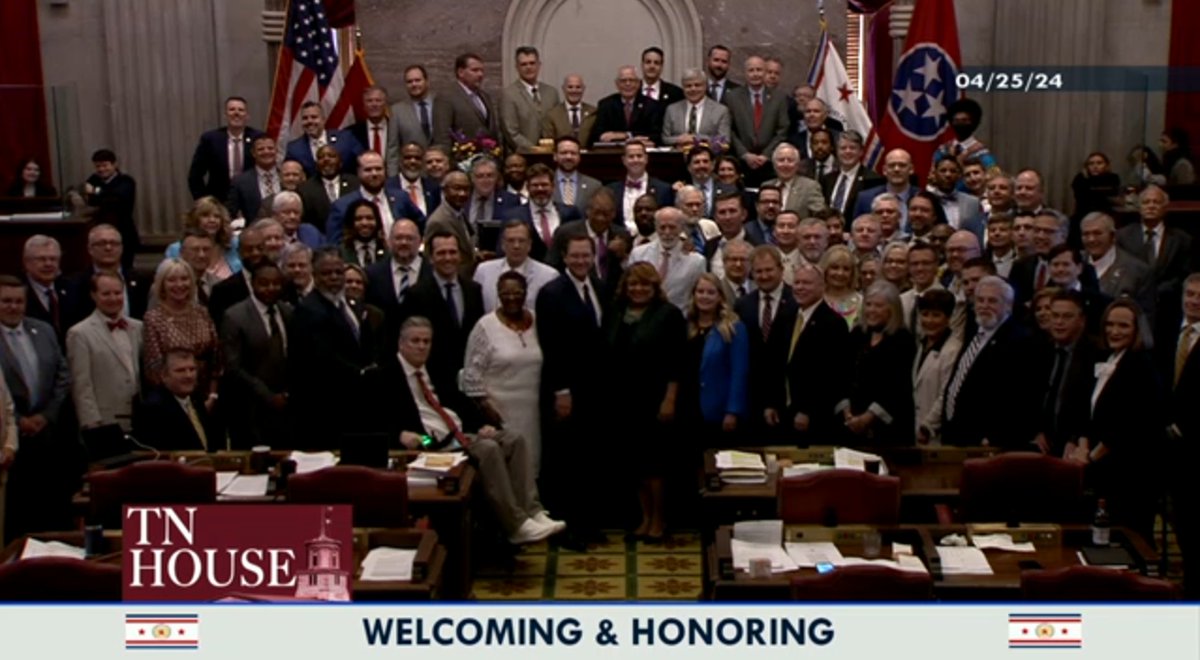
(617, 570)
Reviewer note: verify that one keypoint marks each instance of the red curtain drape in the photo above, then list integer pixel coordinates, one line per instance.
(340, 12)
(23, 131)
(1183, 108)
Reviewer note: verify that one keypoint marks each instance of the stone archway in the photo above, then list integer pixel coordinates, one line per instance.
(594, 38)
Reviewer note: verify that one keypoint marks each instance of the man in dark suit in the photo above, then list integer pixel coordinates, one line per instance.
(569, 316)
(173, 417)
(611, 243)
(810, 345)
(371, 179)
(627, 114)
(544, 215)
(842, 186)
(105, 249)
(47, 463)
(254, 345)
(389, 280)
(816, 115)
(758, 310)
(425, 192)
(653, 86)
(1032, 273)
(718, 65)
(452, 302)
(48, 293)
(470, 109)
(223, 153)
(1066, 372)
(637, 182)
(489, 202)
(304, 148)
(236, 288)
(989, 398)
(248, 189)
(801, 95)
(731, 220)
(897, 170)
(759, 122)
(1183, 372)
(112, 194)
(372, 133)
(331, 349)
(1168, 252)
(320, 192)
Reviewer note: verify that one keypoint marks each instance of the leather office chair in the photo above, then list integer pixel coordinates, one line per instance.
(864, 583)
(1020, 487)
(59, 579)
(148, 482)
(839, 497)
(379, 497)
(1090, 583)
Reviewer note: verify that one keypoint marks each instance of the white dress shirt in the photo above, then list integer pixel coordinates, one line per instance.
(398, 271)
(536, 274)
(687, 116)
(552, 220)
(632, 194)
(315, 143)
(653, 91)
(716, 265)
(383, 135)
(384, 206)
(433, 422)
(1105, 262)
(683, 269)
(232, 155)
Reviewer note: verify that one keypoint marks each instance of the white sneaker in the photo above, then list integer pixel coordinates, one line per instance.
(542, 518)
(530, 531)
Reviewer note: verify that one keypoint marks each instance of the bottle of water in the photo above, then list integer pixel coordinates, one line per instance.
(1101, 525)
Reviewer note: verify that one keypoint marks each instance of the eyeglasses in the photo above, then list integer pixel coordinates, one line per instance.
(105, 244)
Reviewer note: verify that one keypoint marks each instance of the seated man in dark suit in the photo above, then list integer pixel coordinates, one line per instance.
(452, 302)
(222, 153)
(173, 417)
(627, 114)
(420, 402)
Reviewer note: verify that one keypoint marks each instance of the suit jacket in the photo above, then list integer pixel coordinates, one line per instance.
(725, 375)
(612, 268)
(114, 203)
(255, 371)
(539, 250)
(818, 375)
(881, 377)
(345, 144)
(996, 400)
(929, 383)
(585, 187)
(714, 121)
(572, 343)
(762, 358)
(209, 172)
(395, 406)
(646, 119)
(1183, 412)
(863, 180)
(161, 422)
(1128, 418)
(316, 200)
(1175, 260)
(463, 116)
(1063, 414)
(803, 196)
(405, 126)
(360, 130)
(1130, 277)
(431, 190)
(245, 198)
(799, 139)
(862, 203)
(35, 309)
(772, 129)
(381, 287)
(667, 93)
(970, 214)
(557, 123)
(796, 119)
(227, 293)
(310, 236)
(661, 190)
(520, 117)
(427, 298)
(104, 382)
(402, 207)
(53, 376)
(1023, 278)
(729, 87)
(136, 295)
(446, 218)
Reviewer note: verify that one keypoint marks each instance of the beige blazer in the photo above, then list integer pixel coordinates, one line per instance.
(104, 379)
(929, 383)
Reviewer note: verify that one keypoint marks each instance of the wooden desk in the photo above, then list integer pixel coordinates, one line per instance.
(723, 583)
(605, 164)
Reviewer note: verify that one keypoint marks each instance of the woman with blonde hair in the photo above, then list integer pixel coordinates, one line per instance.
(879, 409)
(212, 217)
(713, 384)
(178, 322)
(841, 283)
(894, 265)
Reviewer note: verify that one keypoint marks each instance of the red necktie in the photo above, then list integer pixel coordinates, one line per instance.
(544, 225)
(767, 317)
(757, 111)
(636, 185)
(376, 141)
(628, 114)
(1041, 276)
(437, 407)
(414, 195)
(650, 92)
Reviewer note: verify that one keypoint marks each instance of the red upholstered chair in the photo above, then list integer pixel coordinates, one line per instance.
(1089, 583)
(1024, 487)
(839, 497)
(149, 482)
(864, 582)
(379, 497)
(59, 579)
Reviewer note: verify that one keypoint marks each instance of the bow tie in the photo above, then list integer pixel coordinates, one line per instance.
(636, 185)
(950, 196)
(119, 324)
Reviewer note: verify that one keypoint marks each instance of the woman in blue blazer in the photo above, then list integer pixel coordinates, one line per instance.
(713, 387)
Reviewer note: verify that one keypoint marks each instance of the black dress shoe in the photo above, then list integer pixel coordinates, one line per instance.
(573, 542)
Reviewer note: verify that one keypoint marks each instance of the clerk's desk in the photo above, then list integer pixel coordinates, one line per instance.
(928, 476)
(448, 504)
(1056, 546)
(428, 566)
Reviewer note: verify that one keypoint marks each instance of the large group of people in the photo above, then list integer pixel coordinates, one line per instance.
(540, 318)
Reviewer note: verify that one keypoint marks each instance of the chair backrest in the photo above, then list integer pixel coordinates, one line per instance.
(59, 579)
(379, 497)
(149, 482)
(1021, 487)
(839, 497)
(864, 582)
(1091, 583)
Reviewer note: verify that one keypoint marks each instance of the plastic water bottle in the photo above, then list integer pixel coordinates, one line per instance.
(1101, 525)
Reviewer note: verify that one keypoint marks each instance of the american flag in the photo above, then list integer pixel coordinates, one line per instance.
(310, 69)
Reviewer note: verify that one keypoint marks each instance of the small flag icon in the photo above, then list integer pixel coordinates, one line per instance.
(162, 631)
(1045, 631)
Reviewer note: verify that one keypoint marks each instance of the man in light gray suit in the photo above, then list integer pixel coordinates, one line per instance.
(104, 353)
(254, 343)
(1119, 273)
(421, 119)
(760, 121)
(525, 102)
(572, 187)
(471, 110)
(696, 115)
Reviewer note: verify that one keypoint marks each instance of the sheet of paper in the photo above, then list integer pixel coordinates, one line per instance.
(247, 485)
(224, 479)
(802, 468)
(852, 459)
(808, 555)
(1000, 542)
(743, 552)
(440, 462)
(312, 461)
(901, 549)
(729, 460)
(35, 548)
(419, 479)
(901, 563)
(391, 564)
(767, 532)
(964, 561)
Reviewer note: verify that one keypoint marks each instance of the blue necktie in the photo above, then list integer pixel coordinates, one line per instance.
(450, 304)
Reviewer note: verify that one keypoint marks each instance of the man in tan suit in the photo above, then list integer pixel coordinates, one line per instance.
(469, 108)
(572, 117)
(525, 102)
(104, 356)
(452, 216)
(800, 193)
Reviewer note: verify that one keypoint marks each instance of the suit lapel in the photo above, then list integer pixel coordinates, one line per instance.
(100, 328)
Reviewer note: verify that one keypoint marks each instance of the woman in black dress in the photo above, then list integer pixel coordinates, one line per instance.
(880, 408)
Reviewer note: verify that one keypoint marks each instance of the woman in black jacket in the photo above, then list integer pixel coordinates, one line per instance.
(879, 409)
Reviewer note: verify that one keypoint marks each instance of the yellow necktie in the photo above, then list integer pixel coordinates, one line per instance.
(1181, 354)
(797, 329)
(195, 419)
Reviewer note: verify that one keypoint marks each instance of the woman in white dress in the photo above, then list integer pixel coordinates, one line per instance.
(502, 369)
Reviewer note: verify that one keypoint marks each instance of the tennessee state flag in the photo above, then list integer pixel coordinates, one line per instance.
(916, 119)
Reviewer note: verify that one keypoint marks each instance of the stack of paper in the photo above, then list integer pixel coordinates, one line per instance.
(388, 564)
(739, 467)
(964, 561)
(1000, 542)
(808, 555)
(802, 468)
(312, 461)
(35, 548)
(760, 539)
(240, 486)
(900, 563)
(852, 459)
(436, 463)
